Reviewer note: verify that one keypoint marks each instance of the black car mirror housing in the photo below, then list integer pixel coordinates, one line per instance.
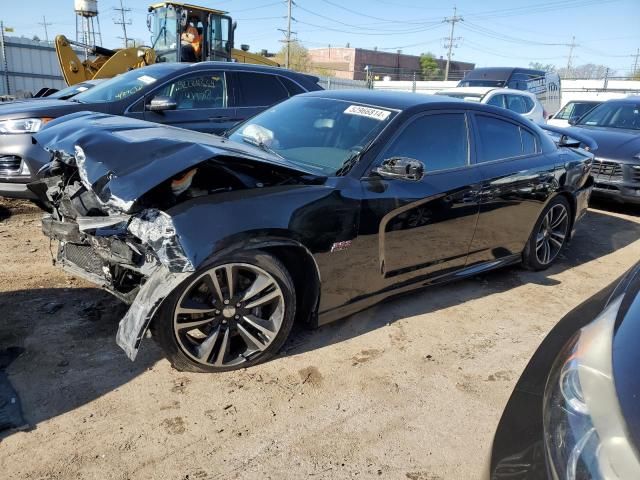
(160, 103)
(403, 168)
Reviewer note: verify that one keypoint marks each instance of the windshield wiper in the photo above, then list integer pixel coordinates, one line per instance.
(352, 159)
(261, 145)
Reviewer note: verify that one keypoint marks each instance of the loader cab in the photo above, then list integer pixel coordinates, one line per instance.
(188, 33)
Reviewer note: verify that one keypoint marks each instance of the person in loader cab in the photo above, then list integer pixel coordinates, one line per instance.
(188, 51)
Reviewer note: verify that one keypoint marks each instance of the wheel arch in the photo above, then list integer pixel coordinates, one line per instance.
(572, 205)
(298, 260)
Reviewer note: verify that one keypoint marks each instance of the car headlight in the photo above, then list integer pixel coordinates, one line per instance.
(584, 430)
(22, 125)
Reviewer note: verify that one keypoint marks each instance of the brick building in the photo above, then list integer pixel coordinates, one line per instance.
(347, 62)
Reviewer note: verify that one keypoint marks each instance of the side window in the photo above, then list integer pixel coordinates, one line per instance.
(529, 103)
(440, 141)
(293, 87)
(498, 139)
(260, 89)
(497, 101)
(516, 103)
(528, 142)
(201, 91)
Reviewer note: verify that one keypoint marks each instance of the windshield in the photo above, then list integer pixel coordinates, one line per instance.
(164, 38)
(320, 133)
(614, 115)
(122, 86)
(71, 91)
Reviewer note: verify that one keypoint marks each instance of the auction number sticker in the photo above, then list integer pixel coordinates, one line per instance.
(368, 112)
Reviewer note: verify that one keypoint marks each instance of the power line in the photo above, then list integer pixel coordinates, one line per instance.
(450, 43)
(45, 24)
(123, 22)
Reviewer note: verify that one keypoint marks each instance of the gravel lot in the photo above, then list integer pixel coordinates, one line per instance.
(411, 389)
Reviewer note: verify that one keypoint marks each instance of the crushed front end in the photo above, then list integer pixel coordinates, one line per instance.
(135, 256)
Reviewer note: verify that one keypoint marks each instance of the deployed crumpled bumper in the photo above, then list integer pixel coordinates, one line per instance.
(158, 267)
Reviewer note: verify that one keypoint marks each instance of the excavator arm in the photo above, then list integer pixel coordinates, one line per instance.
(106, 64)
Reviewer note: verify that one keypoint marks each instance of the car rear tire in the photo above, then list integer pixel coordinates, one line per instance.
(549, 235)
(232, 313)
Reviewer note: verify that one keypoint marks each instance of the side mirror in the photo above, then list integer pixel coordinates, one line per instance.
(160, 103)
(402, 168)
(573, 120)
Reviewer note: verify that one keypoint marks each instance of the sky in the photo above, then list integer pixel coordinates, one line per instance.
(491, 33)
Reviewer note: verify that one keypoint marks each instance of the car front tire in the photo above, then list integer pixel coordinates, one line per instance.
(232, 313)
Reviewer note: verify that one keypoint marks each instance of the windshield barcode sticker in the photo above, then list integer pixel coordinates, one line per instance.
(369, 112)
(146, 79)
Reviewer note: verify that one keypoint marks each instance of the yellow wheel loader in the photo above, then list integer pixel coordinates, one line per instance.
(179, 32)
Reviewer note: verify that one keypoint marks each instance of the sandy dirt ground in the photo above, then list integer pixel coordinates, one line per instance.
(411, 389)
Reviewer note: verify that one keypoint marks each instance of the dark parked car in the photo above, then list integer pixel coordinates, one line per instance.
(578, 416)
(208, 96)
(615, 126)
(315, 209)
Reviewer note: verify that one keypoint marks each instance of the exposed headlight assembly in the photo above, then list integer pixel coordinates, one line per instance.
(22, 125)
(584, 430)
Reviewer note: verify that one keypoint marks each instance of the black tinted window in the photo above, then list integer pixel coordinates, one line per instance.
(528, 142)
(439, 141)
(201, 91)
(499, 139)
(259, 90)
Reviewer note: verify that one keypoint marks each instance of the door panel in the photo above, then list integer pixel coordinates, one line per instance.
(201, 103)
(423, 227)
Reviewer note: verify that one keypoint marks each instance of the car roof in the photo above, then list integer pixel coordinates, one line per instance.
(385, 99)
(249, 67)
(228, 66)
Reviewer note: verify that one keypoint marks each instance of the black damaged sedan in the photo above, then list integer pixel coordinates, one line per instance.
(310, 211)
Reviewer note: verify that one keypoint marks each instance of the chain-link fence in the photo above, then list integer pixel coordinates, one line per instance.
(335, 83)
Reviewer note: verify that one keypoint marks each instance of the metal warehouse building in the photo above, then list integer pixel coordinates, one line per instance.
(27, 66)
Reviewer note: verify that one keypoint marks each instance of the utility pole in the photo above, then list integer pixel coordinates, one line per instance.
(450, 42)
(571, 46)
(45, 24)
(123, 11)
(287, 33)
(635, 63)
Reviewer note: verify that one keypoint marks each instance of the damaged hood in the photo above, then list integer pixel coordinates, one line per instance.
(120, 159)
